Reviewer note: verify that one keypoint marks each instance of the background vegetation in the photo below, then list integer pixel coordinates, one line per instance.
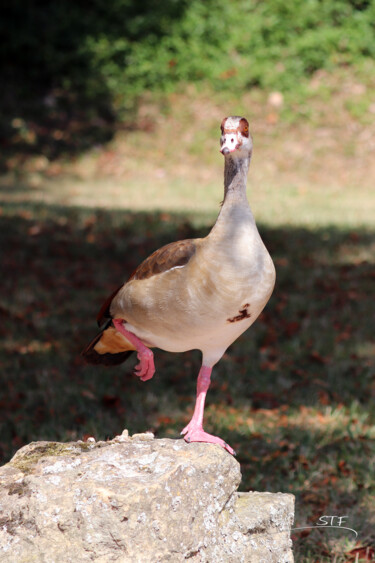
(124, 48)
(64, 61)
(109, 131)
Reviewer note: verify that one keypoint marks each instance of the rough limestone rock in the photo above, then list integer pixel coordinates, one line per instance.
(136, 500)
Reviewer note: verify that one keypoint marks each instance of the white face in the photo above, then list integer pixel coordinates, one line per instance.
(235, 137)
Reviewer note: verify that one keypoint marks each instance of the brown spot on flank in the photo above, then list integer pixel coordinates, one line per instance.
(243, 314)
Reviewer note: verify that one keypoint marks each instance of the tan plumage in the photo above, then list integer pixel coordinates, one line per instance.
(196, 294)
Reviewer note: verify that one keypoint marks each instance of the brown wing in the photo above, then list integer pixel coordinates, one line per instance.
(168, 257)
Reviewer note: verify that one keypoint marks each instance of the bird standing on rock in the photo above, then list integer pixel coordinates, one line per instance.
(196, 293)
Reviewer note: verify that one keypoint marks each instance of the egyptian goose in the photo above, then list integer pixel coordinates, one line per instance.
(196, 293)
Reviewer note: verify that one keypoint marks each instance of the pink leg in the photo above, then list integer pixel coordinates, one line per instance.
(146, 368)
(194, 430)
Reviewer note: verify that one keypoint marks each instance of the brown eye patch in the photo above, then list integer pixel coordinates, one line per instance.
(244, 127)
(222, 125)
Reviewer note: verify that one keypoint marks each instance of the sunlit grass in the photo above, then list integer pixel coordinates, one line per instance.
(272, 205)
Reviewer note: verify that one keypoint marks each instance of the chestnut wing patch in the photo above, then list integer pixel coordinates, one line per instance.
(169, 256)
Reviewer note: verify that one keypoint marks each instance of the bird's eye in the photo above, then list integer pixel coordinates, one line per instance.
(232, 140)
(246, 129)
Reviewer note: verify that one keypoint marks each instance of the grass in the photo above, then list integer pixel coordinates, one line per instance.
(309, 168)
(295, 394)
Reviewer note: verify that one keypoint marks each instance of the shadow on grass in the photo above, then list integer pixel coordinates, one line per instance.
(53, 123)
(311, 351)
(313, 344)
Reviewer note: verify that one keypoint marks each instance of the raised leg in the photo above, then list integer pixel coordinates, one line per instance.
(146, 367)
(194, 430)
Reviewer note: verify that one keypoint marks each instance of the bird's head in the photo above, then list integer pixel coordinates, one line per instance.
(235, 137)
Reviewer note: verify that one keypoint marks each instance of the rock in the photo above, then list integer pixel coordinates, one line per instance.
(139, 500)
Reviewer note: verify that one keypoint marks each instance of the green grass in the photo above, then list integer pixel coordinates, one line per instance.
(290, 204)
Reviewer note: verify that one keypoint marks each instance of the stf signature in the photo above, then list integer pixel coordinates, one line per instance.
(330, 522)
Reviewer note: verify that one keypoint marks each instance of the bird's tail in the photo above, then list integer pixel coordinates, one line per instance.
(108, 348)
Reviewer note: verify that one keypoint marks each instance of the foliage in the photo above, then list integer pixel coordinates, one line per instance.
(74, 72)
(115, 51)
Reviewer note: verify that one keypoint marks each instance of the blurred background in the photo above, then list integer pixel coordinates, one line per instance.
(109, 131)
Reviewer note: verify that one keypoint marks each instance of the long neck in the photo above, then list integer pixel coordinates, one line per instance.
(235, 177)
(235, 208)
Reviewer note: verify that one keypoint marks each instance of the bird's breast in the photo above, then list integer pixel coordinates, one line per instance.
(209, 302)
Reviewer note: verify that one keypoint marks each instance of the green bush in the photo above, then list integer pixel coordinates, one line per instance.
(118, 49)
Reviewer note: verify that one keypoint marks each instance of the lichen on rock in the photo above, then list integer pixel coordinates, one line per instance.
(137, 500)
